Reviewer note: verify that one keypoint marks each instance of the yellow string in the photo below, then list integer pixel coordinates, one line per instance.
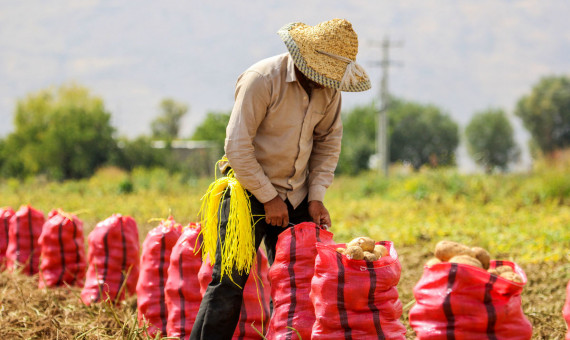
(238, 251)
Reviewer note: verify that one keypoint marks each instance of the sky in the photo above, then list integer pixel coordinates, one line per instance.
(463, 56)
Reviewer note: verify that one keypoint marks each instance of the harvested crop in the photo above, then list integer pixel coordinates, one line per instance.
(432, 261)
(366, 243)
(340, 250)
(368, 256)
(503, 269)
(482, 255)
(354, 300)
(380, 251)
(445, 250)
(354, 253)
(512, 276)
(466, 259)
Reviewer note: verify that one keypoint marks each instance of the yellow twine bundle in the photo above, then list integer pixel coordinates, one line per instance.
(238, 251)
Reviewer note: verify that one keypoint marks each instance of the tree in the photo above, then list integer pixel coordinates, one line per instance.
(64, 133)
(490, 140)
(358, 139)
(213, 128)
(139, 153)
(421, 134)
(545, 113)
(167, 125)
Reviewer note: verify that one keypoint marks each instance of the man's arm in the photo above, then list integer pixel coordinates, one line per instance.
(252, 97)
(324, 158)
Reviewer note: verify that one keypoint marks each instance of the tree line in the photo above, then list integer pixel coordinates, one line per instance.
(66, 133)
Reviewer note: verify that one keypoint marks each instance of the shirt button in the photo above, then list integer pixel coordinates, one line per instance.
(305, 97)
(289, 181)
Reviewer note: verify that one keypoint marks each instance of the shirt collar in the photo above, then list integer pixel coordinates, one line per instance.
(291, 76)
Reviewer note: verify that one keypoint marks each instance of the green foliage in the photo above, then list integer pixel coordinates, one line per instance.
(358, 139)
(63, 133)
(213, 128)
(545, 113)
(3, 155)
(126, 186)
(490, 140)
(167, 125)
(138, 153)
(443, 204)
(421, 134)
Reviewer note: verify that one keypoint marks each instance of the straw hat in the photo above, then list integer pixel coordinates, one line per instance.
(326, 54)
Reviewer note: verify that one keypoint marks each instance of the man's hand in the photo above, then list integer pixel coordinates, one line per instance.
(276, 212)
(319, 213)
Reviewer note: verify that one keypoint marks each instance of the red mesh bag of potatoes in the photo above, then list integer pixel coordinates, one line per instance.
(356, 299)
(23, 249)
(255, 305)
(460, 301)
(155, 260)
(290, 277)
(6, 214)
(566, 310)
(182, 290)
(113, 257)
(62, 251)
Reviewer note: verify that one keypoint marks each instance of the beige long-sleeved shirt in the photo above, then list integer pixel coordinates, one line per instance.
(279, 141)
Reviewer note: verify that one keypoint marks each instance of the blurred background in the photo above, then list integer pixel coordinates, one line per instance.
(157, 76)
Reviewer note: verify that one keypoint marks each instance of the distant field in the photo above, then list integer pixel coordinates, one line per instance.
(521, 217)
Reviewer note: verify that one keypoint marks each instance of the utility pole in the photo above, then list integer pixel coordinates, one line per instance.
(382, 148)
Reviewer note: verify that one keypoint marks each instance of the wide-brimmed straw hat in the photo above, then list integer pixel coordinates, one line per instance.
(326, 54)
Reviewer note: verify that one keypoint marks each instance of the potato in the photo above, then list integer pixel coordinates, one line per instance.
(366, 243)
(380, 251)
(432, 261)
(340, 250)
(493, 271)
(445, 250)
(466, 259)
(354, 253)
(512, 276)
(503, 269)
(482, 255)
(368, 256)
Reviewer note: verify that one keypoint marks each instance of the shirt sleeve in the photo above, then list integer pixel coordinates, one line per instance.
(327, 138)
(252, 97)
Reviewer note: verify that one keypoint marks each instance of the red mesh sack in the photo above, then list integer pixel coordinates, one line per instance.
(113, 257)
(566, 310)
(5, 216)
(62, 251)
(290, 276)
(459, 301)
(255, 304)
(356, 299)
(23, 249)
(155, 260)
(182, 288)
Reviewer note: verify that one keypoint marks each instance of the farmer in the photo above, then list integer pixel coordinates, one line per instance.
(282, 146)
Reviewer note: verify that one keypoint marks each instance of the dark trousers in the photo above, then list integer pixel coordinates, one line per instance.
(220, 308)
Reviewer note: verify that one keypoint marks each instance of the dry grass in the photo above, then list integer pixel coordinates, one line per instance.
(29, 313)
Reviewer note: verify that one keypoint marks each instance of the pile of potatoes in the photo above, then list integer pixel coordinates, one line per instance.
(363, 248)
(453, 252)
